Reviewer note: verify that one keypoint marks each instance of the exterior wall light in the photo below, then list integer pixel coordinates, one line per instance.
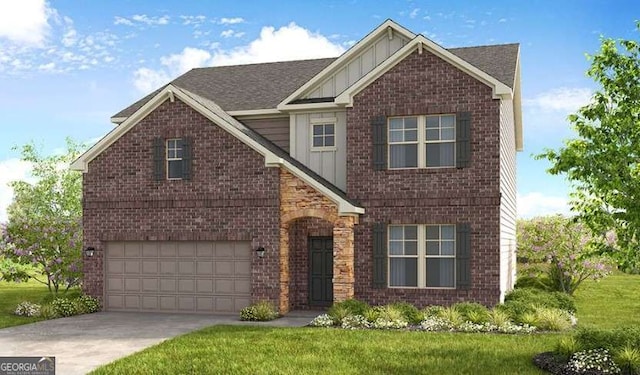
(260, 252)
(89, 252)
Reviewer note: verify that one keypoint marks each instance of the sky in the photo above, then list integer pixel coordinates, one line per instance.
(67, 66)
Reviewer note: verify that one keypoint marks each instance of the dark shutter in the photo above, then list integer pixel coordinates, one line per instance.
(187, 158)
(379, 135)
(463, 139)
(379, 255)
(463, 256)
(158, 159)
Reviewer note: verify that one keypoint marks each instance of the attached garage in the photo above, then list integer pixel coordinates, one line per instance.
(178, 276)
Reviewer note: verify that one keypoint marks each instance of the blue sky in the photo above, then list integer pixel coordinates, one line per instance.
(67, 66)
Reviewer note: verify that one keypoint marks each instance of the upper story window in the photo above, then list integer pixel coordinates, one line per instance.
(323, 136)
(174, 159)
(422, 141)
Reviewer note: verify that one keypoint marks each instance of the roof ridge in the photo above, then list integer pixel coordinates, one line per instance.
(485, 45)
(265, 63)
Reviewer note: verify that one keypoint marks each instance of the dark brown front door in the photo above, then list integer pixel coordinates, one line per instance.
(320, 271)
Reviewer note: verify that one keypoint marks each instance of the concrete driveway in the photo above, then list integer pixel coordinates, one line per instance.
(85, 342)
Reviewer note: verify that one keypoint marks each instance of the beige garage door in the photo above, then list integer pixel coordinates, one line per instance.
(181, 276)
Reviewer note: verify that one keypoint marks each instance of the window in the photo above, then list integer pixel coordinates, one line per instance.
(174, 159)
(323, 136)
(422, 141)
(422, 256)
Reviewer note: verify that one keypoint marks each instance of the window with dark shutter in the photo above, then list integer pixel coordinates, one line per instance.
(187, 157)
(379, 135)
(463, 139)
(158, 159)
(463, 256)
(379, 255)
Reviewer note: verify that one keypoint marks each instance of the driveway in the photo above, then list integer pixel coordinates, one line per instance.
(85, 342)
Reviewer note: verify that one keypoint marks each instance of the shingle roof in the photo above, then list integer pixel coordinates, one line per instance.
(264, 86)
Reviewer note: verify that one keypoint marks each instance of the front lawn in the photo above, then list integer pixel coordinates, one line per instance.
(261, 350)
(11, 294)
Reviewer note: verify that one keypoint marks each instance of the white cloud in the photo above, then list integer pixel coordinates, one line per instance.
(537, 204)
(25, 21)
(414, 13)
(141, 19)
(122, 21)
(147, 80)
(11, 170)
(231, 21)
(502, 20)
(562, 99)
(231, 33)
(193, 20)
(289, 42)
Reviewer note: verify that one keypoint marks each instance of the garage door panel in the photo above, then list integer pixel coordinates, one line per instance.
(187, 276)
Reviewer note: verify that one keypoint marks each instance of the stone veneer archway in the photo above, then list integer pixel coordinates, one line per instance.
(299, 200)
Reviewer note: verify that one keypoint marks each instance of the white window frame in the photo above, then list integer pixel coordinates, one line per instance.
(422, 256)
(323, 122)
(168, 148)
(422, 141)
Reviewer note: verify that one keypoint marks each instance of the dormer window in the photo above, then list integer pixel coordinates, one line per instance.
(323, 136)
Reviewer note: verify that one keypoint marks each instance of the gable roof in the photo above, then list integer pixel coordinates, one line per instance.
(274, 156)
(263, 86)
(243, 87)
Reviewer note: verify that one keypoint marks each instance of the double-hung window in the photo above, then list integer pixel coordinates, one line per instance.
(422, 141)
(422, 256)
(174, 159)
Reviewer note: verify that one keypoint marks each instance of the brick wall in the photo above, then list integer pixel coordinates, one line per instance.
(424, 84)
(232, 196)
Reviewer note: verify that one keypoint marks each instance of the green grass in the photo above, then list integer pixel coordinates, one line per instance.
(11, 294)
(610, 302)
(256, 350)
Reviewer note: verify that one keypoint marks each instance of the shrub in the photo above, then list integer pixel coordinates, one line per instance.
(551, 319)
(452, 315)
(629, 359)
(410, 313)
(355, 322)
(612, 339)
(353, 306)
(390, 313)
(538, 297)
(529, 318)
(27, 308)
(499, 318)
(87, 304)
(593, 361)
(260, 311)
(372, 314)
(567, 346)
(323, 320)
(338, 312)
(47, 312)
(64, 307)
(433, 311)
(473, 312)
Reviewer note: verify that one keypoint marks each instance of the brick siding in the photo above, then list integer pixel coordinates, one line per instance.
(424, 84)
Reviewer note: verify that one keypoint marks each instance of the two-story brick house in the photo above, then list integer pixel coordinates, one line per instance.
(385, 174)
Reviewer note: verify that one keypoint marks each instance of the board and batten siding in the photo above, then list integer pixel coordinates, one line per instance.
(330, 164)
(274, 129)
(361, 64)
(508, 207)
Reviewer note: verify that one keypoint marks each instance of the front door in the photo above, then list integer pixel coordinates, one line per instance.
(320, 271)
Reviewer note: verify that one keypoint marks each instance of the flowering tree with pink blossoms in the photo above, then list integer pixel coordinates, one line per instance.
(44, 230)
(561, 249)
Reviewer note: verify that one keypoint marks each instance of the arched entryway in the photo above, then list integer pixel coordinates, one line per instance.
(309, 222)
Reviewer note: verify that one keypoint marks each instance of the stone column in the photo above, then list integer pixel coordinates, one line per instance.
(284, 269)
(343, 259)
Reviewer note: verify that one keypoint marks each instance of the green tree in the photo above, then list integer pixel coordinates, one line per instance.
(44, 227)
(603, 161)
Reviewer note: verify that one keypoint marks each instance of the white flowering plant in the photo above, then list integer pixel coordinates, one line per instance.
(27, 308)
(592, 361)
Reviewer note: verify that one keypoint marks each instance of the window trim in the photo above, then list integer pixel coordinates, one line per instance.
(422, 141)
(422, 256)
(168, 159)
(322, 121)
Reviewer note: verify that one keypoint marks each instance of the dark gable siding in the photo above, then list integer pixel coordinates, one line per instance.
(274, 129)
